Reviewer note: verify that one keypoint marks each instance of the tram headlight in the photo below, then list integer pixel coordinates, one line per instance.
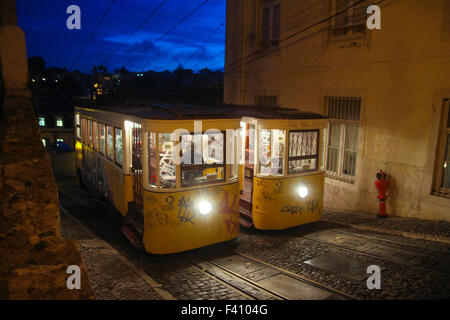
(302, 192)
(204, 207)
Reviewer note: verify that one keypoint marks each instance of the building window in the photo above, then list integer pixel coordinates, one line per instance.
(266, 101)
(343, 133)
(202, 158)
(44, 142)
(442, 172)
(41, 121)
(350, 19)
(101, 129)
(118, 146)
(303, 151)
(270, 22)
(109, 142)
(78, 125)
(59, 122)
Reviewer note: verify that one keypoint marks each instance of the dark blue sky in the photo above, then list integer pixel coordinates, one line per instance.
(44, 23)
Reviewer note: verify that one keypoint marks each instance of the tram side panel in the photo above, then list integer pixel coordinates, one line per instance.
(277, 205)
(173, 222)
(104, 179)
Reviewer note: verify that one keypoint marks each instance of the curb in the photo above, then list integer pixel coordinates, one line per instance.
(406, 234)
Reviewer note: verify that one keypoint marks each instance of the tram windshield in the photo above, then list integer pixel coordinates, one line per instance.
(202, 158)
(271, 151)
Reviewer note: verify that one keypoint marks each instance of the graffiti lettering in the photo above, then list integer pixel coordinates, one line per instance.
(292, 210)
(278, 188)
(168, 206)
(232, 221)
(311, 207)
(185, 212)
(266, 196)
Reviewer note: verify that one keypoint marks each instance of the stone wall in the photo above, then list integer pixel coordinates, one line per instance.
(33, 256)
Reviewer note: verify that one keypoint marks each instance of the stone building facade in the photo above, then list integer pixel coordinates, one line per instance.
(385, 91)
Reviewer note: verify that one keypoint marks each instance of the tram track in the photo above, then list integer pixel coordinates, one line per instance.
(291, 286)
(205, 260)
(381, 256)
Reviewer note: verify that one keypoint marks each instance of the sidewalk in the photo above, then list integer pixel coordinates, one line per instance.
(408, 227)
(112, 276)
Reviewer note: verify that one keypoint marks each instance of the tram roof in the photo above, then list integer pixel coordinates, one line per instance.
(162, 111)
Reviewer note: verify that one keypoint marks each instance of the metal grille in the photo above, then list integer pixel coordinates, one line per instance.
(136, 167)
(344, 108)
(303, 143)
(266, 101)
(303, 151)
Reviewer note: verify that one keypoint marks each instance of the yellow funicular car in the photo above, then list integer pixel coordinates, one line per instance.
(171, 171)
(180, 175)
(282, 181)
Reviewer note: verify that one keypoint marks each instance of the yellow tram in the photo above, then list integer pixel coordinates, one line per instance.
(177, 190)
(281, 179)
(184, 177)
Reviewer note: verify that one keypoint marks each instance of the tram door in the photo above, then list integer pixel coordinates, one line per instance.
(246, 196)
(136, 166)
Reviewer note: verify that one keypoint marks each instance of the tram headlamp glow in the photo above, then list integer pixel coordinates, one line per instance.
(302, 192)
(204, 207)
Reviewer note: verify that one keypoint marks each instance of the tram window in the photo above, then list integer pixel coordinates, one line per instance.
(234, 156)
(271, 151)
(202, 158)
(167, 167)
(151, 138)
(90, 132)
(101, 129)
(109, 142)
(84, 130)
(303, 151)
(118, 146)
(95, 134)
(78, 125)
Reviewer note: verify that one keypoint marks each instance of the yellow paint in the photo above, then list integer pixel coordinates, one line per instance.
(119, 187)
(174, 224)
(276, 204)
(79, 154)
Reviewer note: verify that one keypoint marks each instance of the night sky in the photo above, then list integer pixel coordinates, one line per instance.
(44, 23)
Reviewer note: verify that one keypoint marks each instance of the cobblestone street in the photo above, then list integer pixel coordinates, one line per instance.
(323, 260)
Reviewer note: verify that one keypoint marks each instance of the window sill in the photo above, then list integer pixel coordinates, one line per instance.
(443, 194)
(340, 178)
(356, 40)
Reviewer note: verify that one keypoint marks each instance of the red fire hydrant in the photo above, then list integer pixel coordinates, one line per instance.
(382, 185)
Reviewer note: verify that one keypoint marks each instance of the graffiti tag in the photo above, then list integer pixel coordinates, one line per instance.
(185, 212)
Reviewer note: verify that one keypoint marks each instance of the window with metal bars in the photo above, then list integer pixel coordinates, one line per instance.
(343, 133)
(303, 151)
(350, 18)
(266, 101)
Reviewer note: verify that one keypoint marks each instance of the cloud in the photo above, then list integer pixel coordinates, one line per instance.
(44, 25)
